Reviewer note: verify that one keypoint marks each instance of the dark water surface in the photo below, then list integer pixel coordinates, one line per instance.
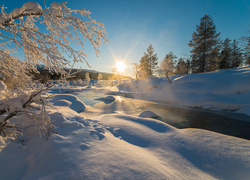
(224, 122)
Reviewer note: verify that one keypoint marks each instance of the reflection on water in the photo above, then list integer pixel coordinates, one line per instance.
(120, 112)
(90, 97)
(221, 122)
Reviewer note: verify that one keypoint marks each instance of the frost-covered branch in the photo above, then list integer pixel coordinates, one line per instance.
(22, 105)
(46, 36)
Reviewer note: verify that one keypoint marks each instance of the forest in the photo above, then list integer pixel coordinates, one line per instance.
(209, 53)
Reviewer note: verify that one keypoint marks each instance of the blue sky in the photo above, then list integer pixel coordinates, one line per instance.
(167, 24)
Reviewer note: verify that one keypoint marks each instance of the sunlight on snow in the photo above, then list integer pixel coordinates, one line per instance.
(119, 98)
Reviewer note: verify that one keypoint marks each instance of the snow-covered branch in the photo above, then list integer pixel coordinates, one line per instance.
(35, 115)
(51, 43)
(47, 37)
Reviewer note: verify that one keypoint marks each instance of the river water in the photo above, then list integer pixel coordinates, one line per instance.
(224, 122)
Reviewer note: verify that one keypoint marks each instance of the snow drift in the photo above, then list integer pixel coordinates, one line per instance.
(115, 146)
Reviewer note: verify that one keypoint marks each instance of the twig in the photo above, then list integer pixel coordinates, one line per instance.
(169, 80)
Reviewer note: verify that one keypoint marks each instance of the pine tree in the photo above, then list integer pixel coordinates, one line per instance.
(168, 64)
(144, 67)
(181, 67)
(247, 52)
(237, 55)
(205, 43)
(226, 54)
(148, 62)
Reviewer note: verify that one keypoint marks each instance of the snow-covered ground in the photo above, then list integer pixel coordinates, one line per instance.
(115, 146)
(219, 90)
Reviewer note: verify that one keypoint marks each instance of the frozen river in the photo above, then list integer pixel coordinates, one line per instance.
(223, 122)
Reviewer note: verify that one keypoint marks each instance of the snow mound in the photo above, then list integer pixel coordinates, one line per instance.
(62, 102)
(69, 100)
(149, 114)
(110, 98)
(107, 98)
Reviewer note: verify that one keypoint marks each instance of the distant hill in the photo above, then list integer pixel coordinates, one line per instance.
(45, 75)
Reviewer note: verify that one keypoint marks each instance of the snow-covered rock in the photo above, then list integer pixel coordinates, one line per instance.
(149, 114)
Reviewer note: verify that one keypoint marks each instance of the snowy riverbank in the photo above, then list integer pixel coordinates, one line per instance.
(115, 146)
(118, 146)
(227, 90)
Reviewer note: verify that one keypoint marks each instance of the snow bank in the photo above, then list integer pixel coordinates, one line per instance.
(113, 146)
(222, 89)
(124, 147)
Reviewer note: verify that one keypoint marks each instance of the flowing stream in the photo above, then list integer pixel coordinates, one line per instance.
(223, 122)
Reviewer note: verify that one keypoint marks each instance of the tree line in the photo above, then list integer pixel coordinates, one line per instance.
(208, 53)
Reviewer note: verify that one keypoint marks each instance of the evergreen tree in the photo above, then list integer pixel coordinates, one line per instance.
(144, 67)
(237, 55)
(247, 52)
(168, 64)
(226, 54)
(205, 43)
(148, 62)
(181, 67)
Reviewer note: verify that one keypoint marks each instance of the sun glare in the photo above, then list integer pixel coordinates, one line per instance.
(120, 66)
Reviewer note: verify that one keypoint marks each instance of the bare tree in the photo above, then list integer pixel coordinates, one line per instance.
(99, 77)
(136, 68)
(167, 65)
(87, 79)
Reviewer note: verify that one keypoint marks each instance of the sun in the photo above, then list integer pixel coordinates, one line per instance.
(120, 66)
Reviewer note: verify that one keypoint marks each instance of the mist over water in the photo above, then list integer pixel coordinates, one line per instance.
(222, 122)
